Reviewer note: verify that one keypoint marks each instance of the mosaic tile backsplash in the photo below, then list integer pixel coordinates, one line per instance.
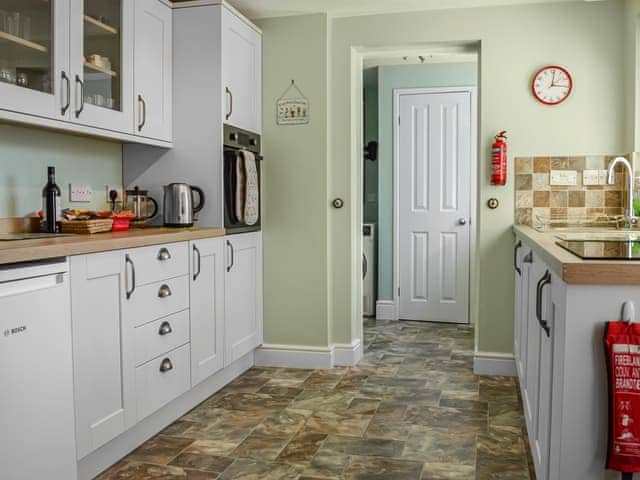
(537, 199)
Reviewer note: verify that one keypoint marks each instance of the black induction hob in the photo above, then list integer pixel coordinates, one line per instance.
(603, 250)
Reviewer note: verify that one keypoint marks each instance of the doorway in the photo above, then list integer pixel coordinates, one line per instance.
(434, 174)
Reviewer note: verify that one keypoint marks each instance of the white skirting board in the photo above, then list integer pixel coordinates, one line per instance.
(94, 463)
(494, 364)
(386, 310)
(301, 356)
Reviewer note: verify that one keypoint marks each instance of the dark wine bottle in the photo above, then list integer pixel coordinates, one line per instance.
(51, 203)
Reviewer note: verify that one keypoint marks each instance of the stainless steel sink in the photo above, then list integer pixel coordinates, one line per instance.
(13, 237)
(595, 235)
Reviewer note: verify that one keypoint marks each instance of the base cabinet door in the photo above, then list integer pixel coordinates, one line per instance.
(103, 390)
(243, 295)
(207, 307)
(153, 70)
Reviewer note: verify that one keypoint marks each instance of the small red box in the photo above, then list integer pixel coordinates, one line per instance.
(120, 224)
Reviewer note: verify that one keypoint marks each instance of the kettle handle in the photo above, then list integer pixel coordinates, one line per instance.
(155, 208)
(200, 204)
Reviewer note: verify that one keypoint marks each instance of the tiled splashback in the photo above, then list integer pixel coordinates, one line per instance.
(537, 199)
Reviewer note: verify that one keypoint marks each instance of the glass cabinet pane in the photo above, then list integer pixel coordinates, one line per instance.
(26, 43)
(102, 41)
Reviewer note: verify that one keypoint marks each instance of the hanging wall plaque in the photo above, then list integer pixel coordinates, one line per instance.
(292, 108)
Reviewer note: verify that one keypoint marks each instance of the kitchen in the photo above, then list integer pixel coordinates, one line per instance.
(118, 95)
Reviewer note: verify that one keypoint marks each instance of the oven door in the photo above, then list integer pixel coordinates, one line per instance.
(235, 189)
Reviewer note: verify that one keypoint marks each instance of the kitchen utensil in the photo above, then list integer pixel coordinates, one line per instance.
(179, 205)
(141, 204)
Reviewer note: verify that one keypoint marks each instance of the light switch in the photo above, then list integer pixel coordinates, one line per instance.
(564, 177)
(602, 177)
(591, 177)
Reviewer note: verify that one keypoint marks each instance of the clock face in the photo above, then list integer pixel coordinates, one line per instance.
(552, 85)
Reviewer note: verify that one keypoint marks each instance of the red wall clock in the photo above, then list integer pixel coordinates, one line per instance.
(552, 85)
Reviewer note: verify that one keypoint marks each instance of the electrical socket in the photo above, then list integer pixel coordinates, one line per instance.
(118, 189)
(80, 193)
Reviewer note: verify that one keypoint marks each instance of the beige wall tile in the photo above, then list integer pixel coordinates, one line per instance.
(594, 198)
(541, 165)
(595, 162)
(524, 199)
(559, 199)
(524, 165)
(577, 198)
(524, 182)
(540, 181)
(541, 199)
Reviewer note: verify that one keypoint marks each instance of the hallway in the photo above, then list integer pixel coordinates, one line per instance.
(412, 409)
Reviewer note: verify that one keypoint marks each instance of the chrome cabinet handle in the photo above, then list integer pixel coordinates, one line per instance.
(66, 79)
(545, 280)
(81, 83)
(196, 273)
(166, 365)
(515, 258)
(164, 255)
(164, 291)
(128, 260)
(143, 111)
(230, 95)
(165, 329)
(233, 260)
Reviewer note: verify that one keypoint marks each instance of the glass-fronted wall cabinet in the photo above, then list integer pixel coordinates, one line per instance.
(102, 63)
(34, 57)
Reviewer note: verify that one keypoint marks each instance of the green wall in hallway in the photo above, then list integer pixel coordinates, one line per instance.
(393, 78)
(370, 81)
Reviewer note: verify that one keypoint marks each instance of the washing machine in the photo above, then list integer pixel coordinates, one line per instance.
(369, 267)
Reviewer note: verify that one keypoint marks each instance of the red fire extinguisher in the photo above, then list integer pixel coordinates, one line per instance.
(499, 160)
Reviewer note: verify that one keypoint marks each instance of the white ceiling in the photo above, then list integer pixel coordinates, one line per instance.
(343, 8)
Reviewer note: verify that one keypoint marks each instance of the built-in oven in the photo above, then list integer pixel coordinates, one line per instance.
(242, 180)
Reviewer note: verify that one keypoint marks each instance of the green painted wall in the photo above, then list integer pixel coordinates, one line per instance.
(632, 75)
(25, 154)
(392, 78)
(515, 40)
(295, 175)
(370, 82)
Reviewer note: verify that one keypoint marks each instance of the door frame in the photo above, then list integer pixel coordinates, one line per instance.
(473, 171)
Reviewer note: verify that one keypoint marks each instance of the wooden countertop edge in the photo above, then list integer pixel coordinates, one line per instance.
(574, 270)
(42, 249)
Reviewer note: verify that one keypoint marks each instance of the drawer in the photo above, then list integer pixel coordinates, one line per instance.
(156, 300)
(158, 262)
(161, 380)
(157, 338)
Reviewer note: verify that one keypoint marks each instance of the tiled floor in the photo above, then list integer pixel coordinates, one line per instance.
(413, 409)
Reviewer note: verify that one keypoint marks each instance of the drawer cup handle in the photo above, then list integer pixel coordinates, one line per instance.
(164, 255)
(166, 366)
(165, 329)
(164, 291)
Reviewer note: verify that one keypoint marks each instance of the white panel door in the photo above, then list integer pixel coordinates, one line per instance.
(207, 308)
(434, 169)
(241, 73)
(153, 60)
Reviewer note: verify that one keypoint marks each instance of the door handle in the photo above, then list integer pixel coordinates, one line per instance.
(81, 83)
(230, 95)
(515, 258)
(65, 107)
(128, 260)
(164, 291)
(165, 329)
(232, 258)
(462, 221)
(365, 266)
(166, 365)
(196, 274)
(545, 280)
(164, 255)
(143, 112)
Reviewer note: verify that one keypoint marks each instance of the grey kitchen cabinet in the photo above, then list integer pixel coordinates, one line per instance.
(207, 297)
(102, 351)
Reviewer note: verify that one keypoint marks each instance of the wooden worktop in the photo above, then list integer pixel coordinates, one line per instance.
(573, 269)
(40, 249)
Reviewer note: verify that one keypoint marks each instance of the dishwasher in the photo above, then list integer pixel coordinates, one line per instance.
(37, 436)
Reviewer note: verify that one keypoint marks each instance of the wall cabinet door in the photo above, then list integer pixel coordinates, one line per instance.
(104, 406)
(243, 295)
(101, 55)
(153, 70)
(241, 73)
(34, 58)
(207, 308)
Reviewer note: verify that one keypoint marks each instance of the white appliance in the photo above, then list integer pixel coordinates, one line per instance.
(369, 269)
(37, 437)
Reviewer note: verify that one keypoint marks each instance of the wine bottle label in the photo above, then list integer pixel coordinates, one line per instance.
(58, 209)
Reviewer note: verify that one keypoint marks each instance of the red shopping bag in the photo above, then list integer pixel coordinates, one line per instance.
(622, 347)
